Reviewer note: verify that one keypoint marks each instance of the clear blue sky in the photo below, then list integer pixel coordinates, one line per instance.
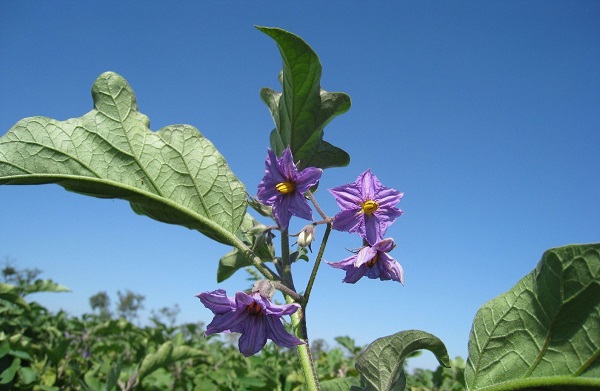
(486, 114)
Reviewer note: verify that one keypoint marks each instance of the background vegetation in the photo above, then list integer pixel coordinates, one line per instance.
(107, 349)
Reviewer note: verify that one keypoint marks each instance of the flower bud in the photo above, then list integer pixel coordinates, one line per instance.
(306, 236)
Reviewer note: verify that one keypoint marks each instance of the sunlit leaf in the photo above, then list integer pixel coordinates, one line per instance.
(302, 109)
(174, 175)
(545, 331)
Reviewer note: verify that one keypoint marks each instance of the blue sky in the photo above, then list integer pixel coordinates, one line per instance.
(486, 114)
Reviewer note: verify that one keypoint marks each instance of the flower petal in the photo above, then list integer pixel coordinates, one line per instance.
(354, 274)
(279, 335)
(216, 301)
(254, 337)
(298, 206)
(347, 196)
(307, 178)
(349, 220)
(233, 321)
(372, 231)
(364, 255)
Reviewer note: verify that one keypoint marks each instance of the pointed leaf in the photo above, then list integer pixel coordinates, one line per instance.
(44, 286)
(174, 175)
(545, 331)
(303, 109)
(380, 365)
(166, 354)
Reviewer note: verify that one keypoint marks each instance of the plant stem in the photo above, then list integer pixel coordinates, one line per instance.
(313, 274)
(306, 361)
(288, 280)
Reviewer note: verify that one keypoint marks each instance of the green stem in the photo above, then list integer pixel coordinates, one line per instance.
(253, 258)
(304, 355)
(285, 259)
(313, 274)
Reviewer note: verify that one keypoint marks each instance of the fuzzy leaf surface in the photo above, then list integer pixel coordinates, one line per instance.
(174, 175)
(302, 109)
(545, 331)
(381, 364)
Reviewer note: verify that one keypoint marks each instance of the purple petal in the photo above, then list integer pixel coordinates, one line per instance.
(372, 231)
(347, 196)
(389, 269)
(307, 178)
(279, 335)
(348, 220)
(298, 206)
(254, 337)
(279, 310)
(286, 164)
(345, 263)
(354, 274)
(388, 197)
(369, 185)
(385, 245)
(364, 255)
(233, 321)
(281, 211)
(216, 301)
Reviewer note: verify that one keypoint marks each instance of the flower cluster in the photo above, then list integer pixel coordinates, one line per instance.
(368, 209)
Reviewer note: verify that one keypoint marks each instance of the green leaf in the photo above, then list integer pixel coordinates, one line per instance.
(341, 384)
(44, 286)
(174, 175)
(11, 294)
(545, 331)
(8, 374)
(256, 236)
(302, 109)
(381, 364)
(166, 355)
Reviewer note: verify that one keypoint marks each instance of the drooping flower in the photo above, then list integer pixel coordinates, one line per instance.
(368, 207)
(373, 262)
(283, 187)
(252, 315)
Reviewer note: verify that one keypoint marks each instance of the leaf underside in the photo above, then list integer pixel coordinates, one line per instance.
(302, 110)
(545, 331)
(381, 364)
(174, 175)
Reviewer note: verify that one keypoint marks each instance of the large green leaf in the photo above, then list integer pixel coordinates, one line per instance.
(174, 175)
(381, 364)
(302, 109)
(545, 331)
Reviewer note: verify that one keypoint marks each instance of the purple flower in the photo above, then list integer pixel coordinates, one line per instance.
(252, 315)
(373, 262)
(283, 187)
(368, 207)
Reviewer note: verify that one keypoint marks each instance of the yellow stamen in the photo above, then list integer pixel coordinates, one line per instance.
(285, 187)
(369, 207)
